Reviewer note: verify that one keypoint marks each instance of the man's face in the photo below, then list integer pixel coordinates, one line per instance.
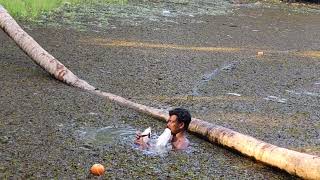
(174, 125)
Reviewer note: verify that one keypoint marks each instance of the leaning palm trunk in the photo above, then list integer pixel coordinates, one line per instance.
(296, 163)
(38, 54)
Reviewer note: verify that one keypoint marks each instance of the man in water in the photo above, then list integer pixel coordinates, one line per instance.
(178, 123)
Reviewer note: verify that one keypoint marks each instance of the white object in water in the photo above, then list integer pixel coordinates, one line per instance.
(146, 134)
(164, 138)
(165, 13)
(234, 94)
(276, 99)
(260, 53)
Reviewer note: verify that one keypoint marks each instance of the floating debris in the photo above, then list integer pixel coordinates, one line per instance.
(146, 135)
(166, 13)
(304, 93)
(260, 53)
(276, 99)
(92, 113)
(234, 94)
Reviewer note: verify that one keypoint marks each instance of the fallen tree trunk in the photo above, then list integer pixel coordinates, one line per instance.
(38, 54)
(296, 163)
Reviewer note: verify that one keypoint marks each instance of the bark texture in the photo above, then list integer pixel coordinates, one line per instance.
(300, 164)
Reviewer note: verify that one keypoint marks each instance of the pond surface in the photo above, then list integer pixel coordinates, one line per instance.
(172, 54)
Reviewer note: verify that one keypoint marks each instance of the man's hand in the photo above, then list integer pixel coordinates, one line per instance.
(139, 140)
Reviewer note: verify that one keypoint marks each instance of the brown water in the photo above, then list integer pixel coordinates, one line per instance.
(52, 130)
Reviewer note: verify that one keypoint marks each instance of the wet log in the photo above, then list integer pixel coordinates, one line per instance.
(303, 165)
(296, 163)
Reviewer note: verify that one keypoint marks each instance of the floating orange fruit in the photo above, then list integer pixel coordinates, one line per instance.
(97, 169)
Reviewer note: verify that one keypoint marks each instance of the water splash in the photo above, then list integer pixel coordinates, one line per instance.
(109, 135)
(96, 137)
(159, 145)
(146, 134)
(154, 150)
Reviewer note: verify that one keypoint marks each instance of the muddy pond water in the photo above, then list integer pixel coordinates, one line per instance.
(200, 55)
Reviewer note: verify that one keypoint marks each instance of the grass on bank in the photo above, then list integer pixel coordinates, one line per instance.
(33, 8)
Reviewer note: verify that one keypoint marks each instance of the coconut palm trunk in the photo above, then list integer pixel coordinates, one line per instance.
(38, 54)
(296, 163)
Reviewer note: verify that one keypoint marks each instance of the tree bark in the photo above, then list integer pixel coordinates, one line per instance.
(296, 163)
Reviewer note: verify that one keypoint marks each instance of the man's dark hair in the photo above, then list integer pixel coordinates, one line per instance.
(183, 115)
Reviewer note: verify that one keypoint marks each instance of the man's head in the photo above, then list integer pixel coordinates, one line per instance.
(179, 120)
